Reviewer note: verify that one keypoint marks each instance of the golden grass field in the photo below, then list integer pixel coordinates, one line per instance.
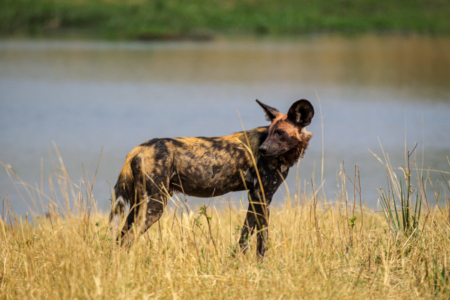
(316, 250)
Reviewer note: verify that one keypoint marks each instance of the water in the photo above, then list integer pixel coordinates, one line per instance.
(85, 96)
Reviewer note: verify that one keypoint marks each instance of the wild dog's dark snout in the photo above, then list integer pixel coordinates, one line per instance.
(263, 150)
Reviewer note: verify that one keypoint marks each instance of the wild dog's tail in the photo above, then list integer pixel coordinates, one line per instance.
(124, 192)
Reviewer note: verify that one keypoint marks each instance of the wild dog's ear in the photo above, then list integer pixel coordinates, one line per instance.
(301, 113)
(271, 113)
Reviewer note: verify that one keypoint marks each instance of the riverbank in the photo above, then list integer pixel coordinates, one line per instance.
(203, 20)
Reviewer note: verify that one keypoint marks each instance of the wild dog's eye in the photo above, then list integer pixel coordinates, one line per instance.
(278, 133)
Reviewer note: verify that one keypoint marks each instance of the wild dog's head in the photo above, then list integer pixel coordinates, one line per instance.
(287, 131)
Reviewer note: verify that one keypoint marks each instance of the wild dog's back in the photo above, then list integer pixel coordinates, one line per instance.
(197, 166)
(213, 166)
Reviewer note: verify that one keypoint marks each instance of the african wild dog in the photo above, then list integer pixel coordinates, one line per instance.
(213, 166)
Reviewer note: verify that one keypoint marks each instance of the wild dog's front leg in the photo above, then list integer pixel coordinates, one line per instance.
(263, 234)
(257, 217)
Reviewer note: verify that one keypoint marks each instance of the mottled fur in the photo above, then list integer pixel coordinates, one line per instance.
(213, 166)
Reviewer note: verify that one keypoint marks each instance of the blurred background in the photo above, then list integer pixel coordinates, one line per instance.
(99, 77)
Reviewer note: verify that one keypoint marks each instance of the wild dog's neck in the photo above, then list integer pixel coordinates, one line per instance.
(293, 155)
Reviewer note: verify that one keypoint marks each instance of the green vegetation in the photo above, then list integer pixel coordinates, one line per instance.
(173, 19)
(402, 194)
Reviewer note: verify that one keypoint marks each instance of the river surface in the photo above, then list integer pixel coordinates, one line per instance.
(87, 96)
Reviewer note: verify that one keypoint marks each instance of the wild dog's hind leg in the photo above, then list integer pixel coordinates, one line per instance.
(149, 213)
(152, 189)
(150, 209)
(129, 221)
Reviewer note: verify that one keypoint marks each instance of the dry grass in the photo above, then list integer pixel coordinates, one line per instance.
(315, 251)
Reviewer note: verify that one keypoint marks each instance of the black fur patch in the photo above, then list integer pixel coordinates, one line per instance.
(292, 156)
(149, 143)
(175, 142)
(161, 150)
